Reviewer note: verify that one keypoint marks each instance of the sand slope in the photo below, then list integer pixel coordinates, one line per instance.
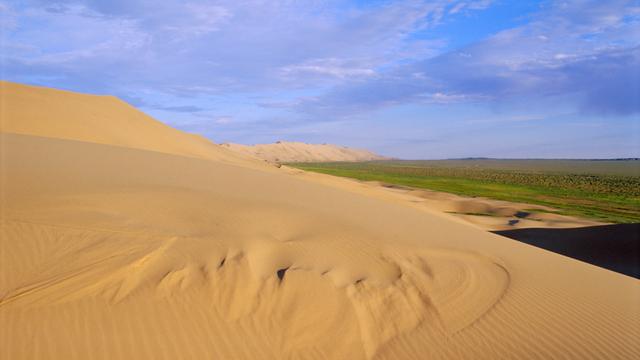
(286, 151)
(484, 213)
(115, 252)
(492, 214)
(40, 111)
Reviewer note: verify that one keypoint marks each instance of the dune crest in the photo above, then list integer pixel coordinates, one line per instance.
(101, 119)
(121, 250)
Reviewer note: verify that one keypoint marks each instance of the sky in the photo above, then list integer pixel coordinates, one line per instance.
(410, 79)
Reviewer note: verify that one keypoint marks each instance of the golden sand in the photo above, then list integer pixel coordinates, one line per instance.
(122, 238)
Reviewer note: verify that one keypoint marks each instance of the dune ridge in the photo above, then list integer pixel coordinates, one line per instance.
(293, 151)
(125, 252)
(101, 119)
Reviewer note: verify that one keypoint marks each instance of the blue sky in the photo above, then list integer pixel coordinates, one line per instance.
(412, 79)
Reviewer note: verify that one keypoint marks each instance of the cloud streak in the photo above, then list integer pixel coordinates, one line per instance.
(583, 55)
(290, 67)
(221, 46)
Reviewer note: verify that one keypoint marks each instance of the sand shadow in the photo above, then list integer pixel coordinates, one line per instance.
(614, 247)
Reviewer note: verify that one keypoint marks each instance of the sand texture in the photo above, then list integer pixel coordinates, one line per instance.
(289, 152)
(486, 214)
(142, 242)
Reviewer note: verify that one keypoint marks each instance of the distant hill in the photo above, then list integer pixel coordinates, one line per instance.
(283, 151)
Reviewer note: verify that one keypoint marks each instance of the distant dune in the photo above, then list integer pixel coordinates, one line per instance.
(121, 238)
(285, 151)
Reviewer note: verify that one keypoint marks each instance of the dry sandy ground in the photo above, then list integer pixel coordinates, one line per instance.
(284, 151)
(486, 214)
(122, 245)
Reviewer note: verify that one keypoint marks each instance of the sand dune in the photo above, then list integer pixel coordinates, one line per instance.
(126, 250)
(40, 111)
(286, 151)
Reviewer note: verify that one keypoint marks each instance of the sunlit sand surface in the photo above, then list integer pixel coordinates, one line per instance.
(125, 239)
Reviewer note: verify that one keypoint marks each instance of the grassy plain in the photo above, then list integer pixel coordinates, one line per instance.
(603, 190)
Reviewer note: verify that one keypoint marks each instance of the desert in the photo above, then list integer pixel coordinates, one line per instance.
(141, 241)
(319, 180)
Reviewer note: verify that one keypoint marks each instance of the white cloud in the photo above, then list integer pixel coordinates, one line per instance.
(223, 120)
(8, 18)
(198, 19)
(85, 36)
(584, 56)
(339, 68)
(442, 98)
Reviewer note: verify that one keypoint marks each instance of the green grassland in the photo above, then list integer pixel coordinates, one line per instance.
(608, 191)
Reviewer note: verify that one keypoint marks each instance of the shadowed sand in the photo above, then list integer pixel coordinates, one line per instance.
(171, 249)
(614, 247)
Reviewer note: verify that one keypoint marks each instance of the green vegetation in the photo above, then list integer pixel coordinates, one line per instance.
(609, 192)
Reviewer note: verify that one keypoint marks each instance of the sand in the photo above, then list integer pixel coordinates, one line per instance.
(114, 249)
(484, 213)
(41, 111)
(291, 151)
